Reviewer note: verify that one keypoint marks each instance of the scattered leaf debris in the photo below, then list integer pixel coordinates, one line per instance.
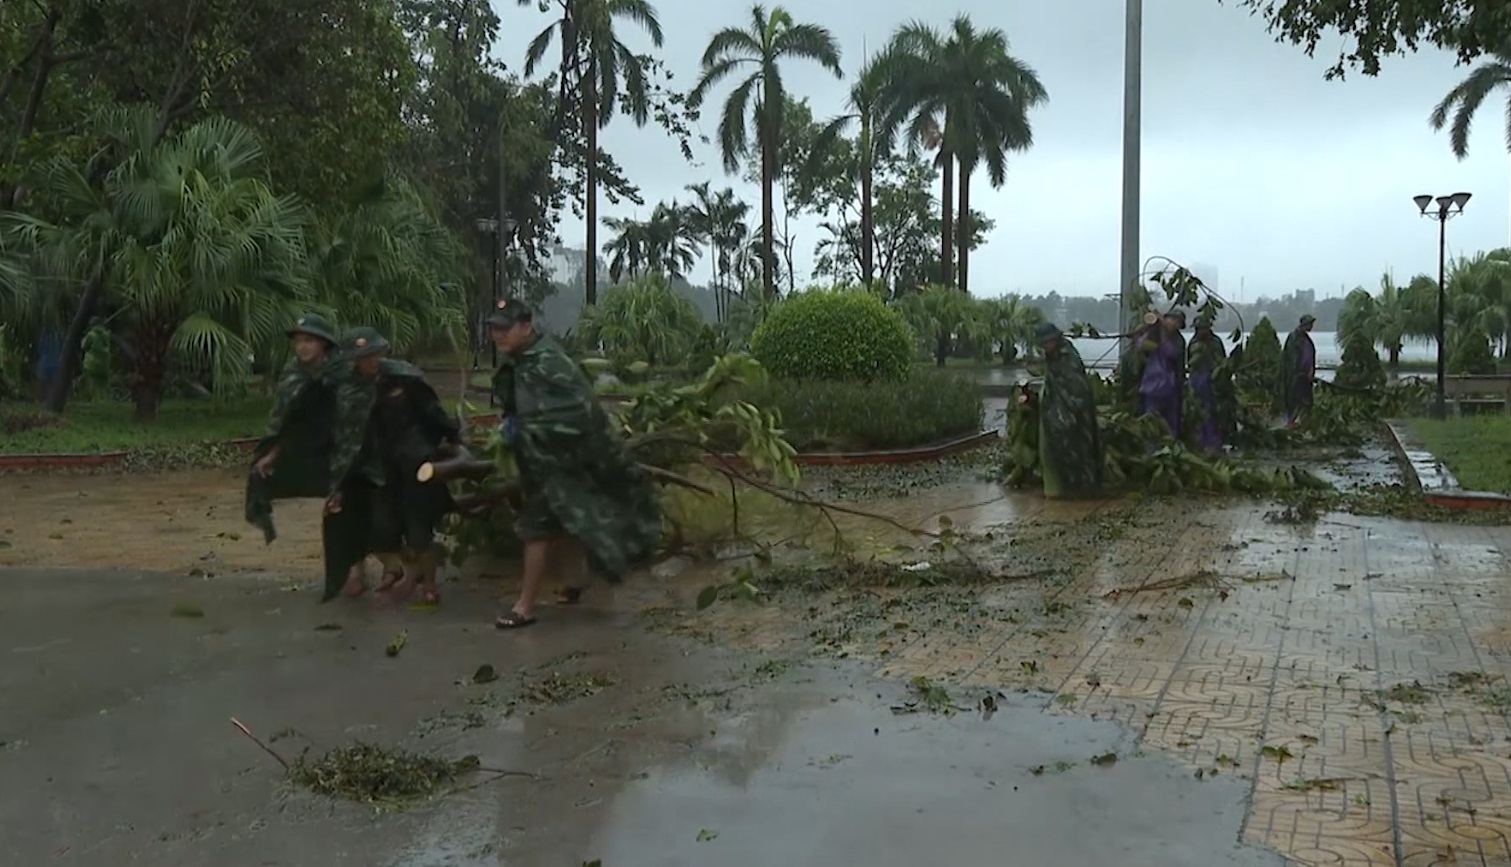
(372, 774)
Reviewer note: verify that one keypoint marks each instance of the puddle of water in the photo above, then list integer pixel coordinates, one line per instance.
(851, 783)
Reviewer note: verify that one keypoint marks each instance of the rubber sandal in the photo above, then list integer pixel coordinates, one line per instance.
(429, 596)
(513, 620)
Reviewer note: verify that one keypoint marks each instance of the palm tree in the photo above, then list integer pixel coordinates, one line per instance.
(629, 251)
(593, 57)
(864, 111)
(769, 39)
(700, 219)
(203, 262)
(983, 94)
(1385, 318)
(1465, 99)
(671, 241)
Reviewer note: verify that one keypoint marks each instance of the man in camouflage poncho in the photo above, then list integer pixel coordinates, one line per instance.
(1212, 385)
(297, 442)
(1070, 449)
(1298, 371)
(578, 478)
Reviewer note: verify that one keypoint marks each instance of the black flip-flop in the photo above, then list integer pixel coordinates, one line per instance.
(513, 621)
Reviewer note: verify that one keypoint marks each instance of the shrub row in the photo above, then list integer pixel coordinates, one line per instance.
(927, 407)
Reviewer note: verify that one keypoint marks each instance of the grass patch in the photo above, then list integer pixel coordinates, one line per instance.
(91, 427)
(1476, 449)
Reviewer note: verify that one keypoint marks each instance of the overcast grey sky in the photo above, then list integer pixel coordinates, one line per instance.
(1252, 163)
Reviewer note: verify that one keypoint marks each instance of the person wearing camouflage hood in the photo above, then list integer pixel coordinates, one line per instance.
(1070, 449)
(297, 442)
(1298, 371)
(1210, 383)
(578, 478)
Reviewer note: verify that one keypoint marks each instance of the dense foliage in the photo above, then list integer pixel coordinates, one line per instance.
(839, 334)
(1360, 368)
(926, 408)
(1470, 353)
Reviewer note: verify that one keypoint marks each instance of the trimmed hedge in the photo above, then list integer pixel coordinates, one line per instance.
(838, 335)
(928, 407)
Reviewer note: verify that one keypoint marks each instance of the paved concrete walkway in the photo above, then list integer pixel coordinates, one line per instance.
(1355, 672)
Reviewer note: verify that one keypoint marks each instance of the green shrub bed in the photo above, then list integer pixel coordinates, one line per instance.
(926, 408)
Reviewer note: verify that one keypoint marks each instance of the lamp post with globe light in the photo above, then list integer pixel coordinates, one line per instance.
(501, 231)
(1447, 207)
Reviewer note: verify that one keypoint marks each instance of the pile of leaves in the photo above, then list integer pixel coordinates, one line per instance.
(371, 774)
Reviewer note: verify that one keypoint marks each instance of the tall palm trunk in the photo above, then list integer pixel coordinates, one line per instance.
(590, 137)
(963, 228)
(153, 336)
(867, 227)
(73, 343)
(946, 217)
(769, 134)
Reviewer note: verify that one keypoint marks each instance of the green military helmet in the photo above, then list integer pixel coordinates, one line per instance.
(508, 313)
(1046, 331)
(362, 341)
(314, 325)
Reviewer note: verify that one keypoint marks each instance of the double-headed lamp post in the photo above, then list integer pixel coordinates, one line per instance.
(1442, 209)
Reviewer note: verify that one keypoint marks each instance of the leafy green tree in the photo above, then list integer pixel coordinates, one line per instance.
(1360, 367)
(1466, 97)
(769, 40)
(864, 111)
(203, 260)
(983, 94)
(1376, 29)
(1470, 353)
(939, 317)
(643, 320)
(1261, 359)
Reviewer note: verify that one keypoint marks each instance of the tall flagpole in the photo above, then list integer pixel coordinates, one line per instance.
(1132, 116)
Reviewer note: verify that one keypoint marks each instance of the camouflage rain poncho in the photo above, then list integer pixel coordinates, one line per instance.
(1298, 364)
(1070, 449)
(300, 426)
(578, 477)
(355, 473)
(409, 426)
(1211, 386)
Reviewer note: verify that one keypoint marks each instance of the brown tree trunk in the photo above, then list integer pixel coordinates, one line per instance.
(946, 218)
(867, 230)
(963, 229)
(941, 348)
(46, 60)
(768, 209)
(151, 369)
(590, 135)
(73, 344)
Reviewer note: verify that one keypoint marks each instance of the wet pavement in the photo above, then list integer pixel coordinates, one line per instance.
(1352, 673)
(1336, 693)
(123, 751)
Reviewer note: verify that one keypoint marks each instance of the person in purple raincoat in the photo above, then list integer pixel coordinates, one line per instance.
(1204, 357)
(1162, 382)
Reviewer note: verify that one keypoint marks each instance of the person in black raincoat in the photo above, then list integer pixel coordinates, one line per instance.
(389, 422)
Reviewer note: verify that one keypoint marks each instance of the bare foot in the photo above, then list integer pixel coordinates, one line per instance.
(400, 589)
(355, 586)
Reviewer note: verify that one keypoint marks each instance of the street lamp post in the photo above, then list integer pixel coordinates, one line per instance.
(1128, 266)
(490, 226)
(1447, 208)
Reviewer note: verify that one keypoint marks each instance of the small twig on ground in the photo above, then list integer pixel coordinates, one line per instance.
(1202, 578)
(265, 748)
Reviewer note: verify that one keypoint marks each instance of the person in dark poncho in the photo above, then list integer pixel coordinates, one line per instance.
(1070, 450)
(578, 479)
(1211, 385)
(1298, 371)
